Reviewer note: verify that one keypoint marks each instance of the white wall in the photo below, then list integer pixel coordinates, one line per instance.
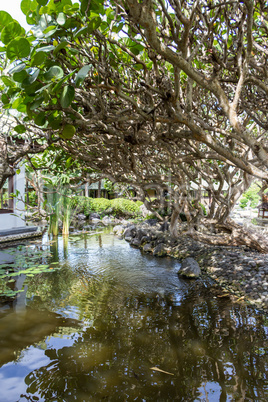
(9, 221)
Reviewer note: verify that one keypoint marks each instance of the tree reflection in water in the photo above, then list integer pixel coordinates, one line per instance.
(216, 350)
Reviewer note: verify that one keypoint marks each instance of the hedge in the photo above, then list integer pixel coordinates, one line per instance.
(103, 206)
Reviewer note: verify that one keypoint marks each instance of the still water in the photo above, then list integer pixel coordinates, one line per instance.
(114, 324)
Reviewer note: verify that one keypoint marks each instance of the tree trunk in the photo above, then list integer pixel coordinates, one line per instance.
(5, 170)
(232, 234)
(86, 189)
(99, 189)
(174, 223)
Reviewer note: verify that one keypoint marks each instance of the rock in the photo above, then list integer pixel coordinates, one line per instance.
(151, 222)
(81, 217)
(141, 233)
(128, 238)
(119, 230)
(164, 227)
(94, 215)
(96, 220)
(160, 250)
(148, 247)
(135, 242)
(190, 268)
(106, 220)
(130, 231)
(144, 211)
(145, 239)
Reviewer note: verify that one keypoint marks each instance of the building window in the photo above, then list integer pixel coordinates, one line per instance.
(6, 200)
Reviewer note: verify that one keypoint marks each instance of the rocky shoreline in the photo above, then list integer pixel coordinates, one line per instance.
(241, 271)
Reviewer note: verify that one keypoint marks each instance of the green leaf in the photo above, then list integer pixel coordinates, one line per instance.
(5, 19)
(138, 67)
(7, 81)
(36, 103)
(16, 103)
(27, 6)
(33, 88)
(81, 32)
(40, 119)
(5, 99)
(22, 107)
(55, 123)
(81, 75)
(53, 73)
(38, 59)
(20, 129)
(50, 30)
(59, 47)
(20, 76)
(58, 86)
(42, 2)
(67, 96)
(61, 19)
(30, 18)
(11, 31)
(68, 132)
(31, 78)
(18, 48)
(94, 24)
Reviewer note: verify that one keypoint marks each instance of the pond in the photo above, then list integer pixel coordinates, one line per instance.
(114, 324)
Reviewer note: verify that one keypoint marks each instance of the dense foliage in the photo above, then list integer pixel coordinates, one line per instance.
(119, 207)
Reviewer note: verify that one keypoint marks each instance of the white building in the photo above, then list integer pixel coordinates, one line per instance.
(12, 208)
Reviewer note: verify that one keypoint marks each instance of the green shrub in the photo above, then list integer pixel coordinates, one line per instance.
(243, 202)
(81, 204)
(251, 196)
(117, 206)
(100, 204)
(125, 207)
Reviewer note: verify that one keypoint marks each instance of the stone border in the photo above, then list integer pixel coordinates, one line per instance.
(21, 236)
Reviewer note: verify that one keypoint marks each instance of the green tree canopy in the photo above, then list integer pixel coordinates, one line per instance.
(145, 91)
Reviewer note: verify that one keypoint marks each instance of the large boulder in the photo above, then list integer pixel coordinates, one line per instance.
(160, 250)
(148, 247)
(94, 215)
(81, 217)
(141, 233)
(145, 239)
(106, 220)
(135, 242)
(130, 231)
(119, 230)
(190, 268)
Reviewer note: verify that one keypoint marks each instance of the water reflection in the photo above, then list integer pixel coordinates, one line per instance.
(136, 315)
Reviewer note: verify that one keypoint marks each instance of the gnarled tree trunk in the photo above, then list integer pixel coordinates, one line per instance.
(233, 234)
